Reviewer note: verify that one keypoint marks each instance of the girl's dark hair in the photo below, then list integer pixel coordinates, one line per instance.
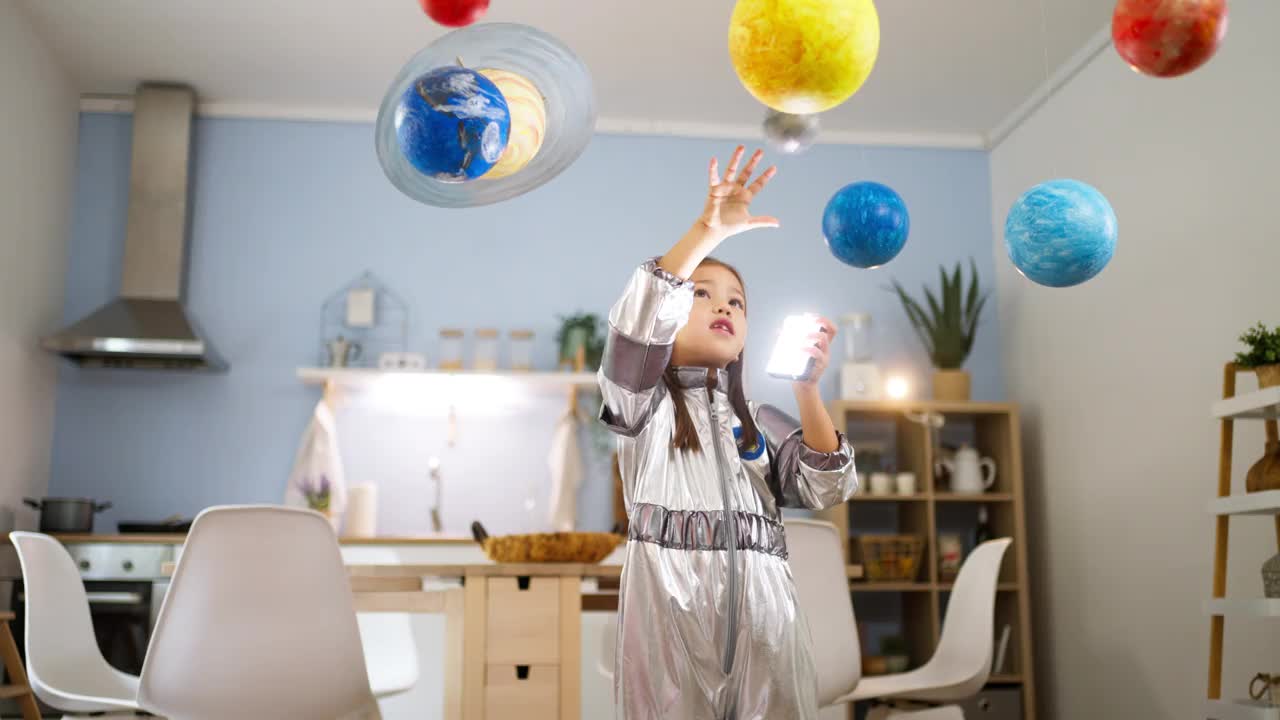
(685, 436)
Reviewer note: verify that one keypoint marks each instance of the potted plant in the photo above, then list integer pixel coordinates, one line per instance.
(580, 333)
(947, 328)
(1262, 354)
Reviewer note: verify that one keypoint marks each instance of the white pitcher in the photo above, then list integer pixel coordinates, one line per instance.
(970, 473)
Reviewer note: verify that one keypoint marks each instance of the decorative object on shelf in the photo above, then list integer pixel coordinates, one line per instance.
(891, 558)
(580, 334)
(364, 313)
(982, 531)
(362, 511)
(486, 350)
(521, 350)
(342, 351)
(433, 471)
(1265, 688)
(1265, 474)
(896, 655)
(859, 375)
(970, 473)
(1271, 577)
(875, 665)
(565, 547)
(1262, 354)
(451, 349)
(897, 387)
(881, 483)
(906, 483)
(402, 361)
(948, 328)
(950, 555)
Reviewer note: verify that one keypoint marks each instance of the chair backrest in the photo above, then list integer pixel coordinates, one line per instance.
(822, 589)
(62, 652)
(390, 649)
(258, 622)
(968, 634)
(608, 646)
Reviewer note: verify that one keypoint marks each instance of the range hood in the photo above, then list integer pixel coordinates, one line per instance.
(148, 326)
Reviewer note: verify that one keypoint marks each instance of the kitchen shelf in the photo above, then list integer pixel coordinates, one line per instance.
(890, 586)
(355, 377)
(900, 406)
(1002, 587)
(1005, 679)
(1253, 607)
(918, 497)
(1260, 503)
(1261, 404)
(973, 498)
(1240, 710)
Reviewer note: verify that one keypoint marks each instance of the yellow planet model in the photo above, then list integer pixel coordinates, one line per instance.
(802, 56)
(528, 122)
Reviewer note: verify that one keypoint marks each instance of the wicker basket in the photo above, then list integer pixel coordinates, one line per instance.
(891, 558)
(566, 547)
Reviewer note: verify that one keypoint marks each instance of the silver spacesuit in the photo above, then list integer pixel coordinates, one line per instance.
(708, 623)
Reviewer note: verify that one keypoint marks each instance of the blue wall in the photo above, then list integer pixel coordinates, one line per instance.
(285, 213)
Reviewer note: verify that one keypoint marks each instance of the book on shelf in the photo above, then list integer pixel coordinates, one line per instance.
(1002, 648)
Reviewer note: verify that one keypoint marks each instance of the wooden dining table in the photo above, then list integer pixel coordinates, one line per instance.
(512, 631)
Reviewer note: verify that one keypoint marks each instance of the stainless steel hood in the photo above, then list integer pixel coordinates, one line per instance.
(148, 326)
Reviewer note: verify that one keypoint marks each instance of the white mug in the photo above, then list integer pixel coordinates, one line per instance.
(906, 482)
(881, 484)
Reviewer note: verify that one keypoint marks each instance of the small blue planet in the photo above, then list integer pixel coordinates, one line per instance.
(1061, 233)
(865, 224)
(452, 124)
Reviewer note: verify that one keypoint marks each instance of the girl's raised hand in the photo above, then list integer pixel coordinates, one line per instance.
(728, 210)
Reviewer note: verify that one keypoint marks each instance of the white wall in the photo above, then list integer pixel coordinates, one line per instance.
(1116, 376)
(38, 116)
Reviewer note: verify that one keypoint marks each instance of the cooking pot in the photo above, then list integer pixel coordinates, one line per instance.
(66, 515)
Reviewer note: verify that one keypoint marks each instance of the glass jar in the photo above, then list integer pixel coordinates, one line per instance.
(486, 352)
(856, 328)
(451, 349)
(522, 350)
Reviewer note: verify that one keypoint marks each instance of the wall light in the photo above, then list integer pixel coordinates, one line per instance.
(897, 387)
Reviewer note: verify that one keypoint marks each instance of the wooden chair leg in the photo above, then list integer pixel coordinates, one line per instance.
(17, 674)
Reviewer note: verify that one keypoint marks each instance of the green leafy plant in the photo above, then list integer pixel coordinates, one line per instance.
(585, 329)
(949, 324)
(1263, 347)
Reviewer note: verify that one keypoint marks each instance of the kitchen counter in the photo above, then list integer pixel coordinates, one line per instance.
(180, 538)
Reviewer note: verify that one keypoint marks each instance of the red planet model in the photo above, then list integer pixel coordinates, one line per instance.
(1167, 38)
(454, 13)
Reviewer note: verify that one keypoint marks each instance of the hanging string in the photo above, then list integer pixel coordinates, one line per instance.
(1044, 46)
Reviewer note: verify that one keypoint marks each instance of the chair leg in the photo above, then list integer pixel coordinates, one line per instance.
(17, 674)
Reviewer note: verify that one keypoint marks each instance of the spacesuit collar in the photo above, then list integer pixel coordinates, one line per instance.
(699, 377)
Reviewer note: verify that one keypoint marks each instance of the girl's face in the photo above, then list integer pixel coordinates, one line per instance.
(717, 327)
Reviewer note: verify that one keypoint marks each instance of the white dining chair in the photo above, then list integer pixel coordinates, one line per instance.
(608, 646)
(816, 557)
(258, 623)
(390, 649)
(65, 667)
(961, 664)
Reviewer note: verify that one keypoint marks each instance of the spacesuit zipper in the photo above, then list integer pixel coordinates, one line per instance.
(731, 532)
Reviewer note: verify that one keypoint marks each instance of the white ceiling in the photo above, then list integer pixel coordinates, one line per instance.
(949, 71)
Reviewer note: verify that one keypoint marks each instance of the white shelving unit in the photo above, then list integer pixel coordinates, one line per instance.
(360, 377)
(1239, 710)
(1262, 503)
(1258, 405)
(1262, 404)
(1243, 607)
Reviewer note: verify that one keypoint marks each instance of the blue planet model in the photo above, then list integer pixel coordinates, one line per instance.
(865, 224)
(452, 124)
(1061, 233)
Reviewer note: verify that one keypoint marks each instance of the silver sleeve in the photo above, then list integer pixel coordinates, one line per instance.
(802, 476)
(642, 330)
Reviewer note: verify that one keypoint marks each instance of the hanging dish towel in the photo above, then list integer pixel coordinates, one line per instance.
(565, 462)
(317, 480)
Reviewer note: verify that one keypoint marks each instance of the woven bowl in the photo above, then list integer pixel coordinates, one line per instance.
(563, 547)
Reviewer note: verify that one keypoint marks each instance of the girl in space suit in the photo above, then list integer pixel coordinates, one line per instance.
(708, 623)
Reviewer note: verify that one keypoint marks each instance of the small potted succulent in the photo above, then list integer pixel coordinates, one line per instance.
(947, 327)
(1262, 354)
